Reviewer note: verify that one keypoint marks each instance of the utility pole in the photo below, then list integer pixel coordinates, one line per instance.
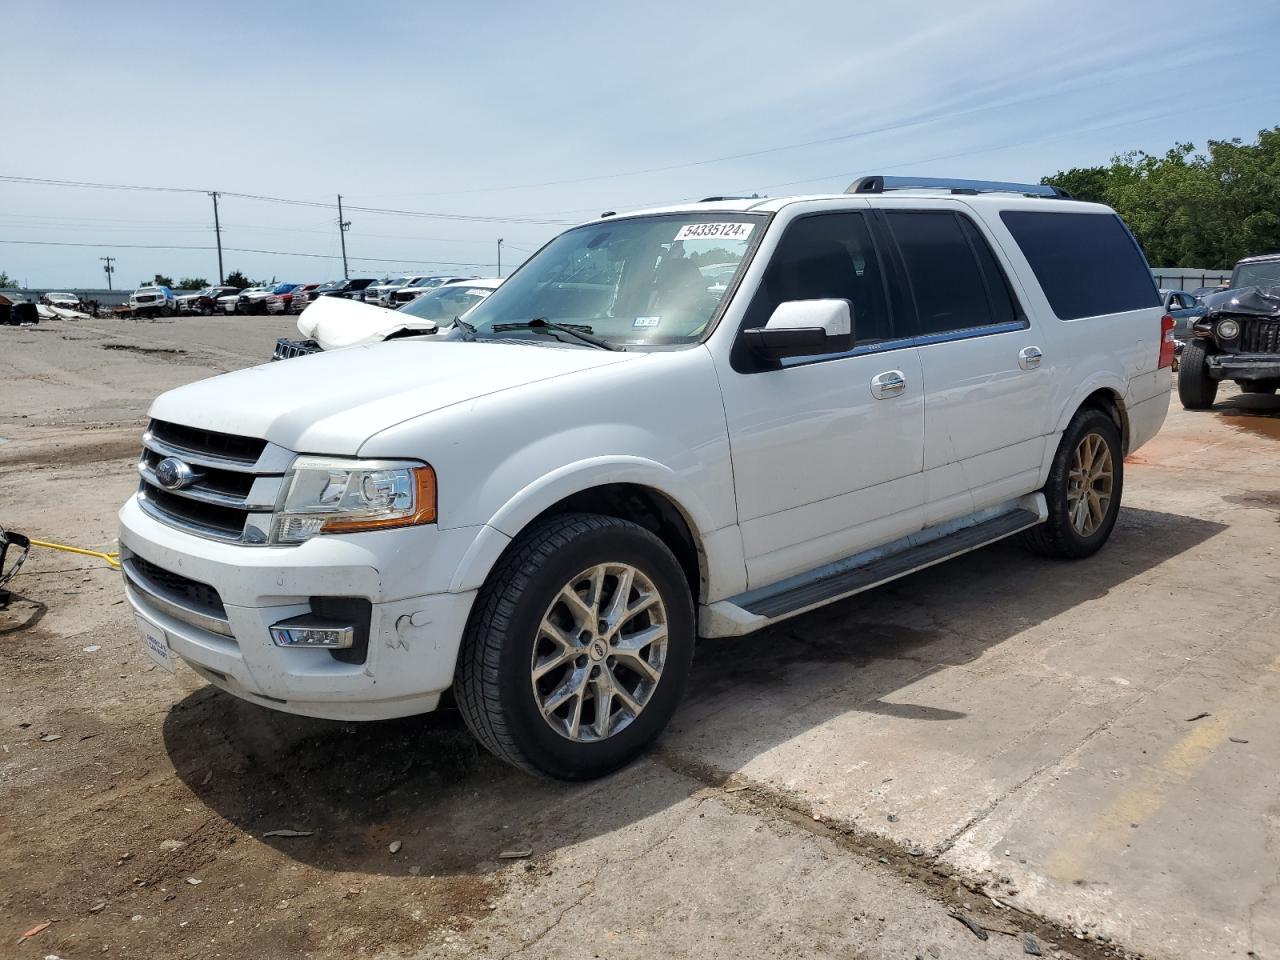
(217, 230)
(499, 256)
(343, 227)
(108, 269)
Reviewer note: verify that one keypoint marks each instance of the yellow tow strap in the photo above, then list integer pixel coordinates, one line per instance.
(112, 559)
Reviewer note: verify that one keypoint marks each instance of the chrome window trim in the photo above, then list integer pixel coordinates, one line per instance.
(902, 343)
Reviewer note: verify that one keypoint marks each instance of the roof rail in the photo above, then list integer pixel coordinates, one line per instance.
(878, 184)
(754, 196)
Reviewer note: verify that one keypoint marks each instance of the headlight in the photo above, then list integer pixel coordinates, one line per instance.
(1228, 329)
(332, 495)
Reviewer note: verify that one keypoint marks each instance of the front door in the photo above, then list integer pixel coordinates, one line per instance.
(828, 450)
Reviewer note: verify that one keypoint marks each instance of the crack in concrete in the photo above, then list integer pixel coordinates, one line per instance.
(924, 870)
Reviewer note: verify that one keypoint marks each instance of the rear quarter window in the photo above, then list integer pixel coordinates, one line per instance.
(1088, 264)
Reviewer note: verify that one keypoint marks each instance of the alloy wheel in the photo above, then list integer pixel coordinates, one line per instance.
(599, 653)
(1090, 483)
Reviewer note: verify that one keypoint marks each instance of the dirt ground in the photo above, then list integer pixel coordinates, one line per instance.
(1084, 754)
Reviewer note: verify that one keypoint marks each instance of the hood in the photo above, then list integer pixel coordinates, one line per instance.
(333, 402)
(335, 322)
(1244, 301)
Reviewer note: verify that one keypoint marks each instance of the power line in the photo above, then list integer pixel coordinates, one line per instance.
(384, 211)
(274, 253)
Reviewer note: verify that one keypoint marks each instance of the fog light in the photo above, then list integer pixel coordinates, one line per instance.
(1228, 329)
(312, 631)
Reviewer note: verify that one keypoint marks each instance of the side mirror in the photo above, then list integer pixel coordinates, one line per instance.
(804, 328)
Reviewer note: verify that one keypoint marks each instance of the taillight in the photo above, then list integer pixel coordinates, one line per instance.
(1167, 344)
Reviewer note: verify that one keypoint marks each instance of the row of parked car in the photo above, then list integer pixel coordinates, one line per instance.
(283, 297)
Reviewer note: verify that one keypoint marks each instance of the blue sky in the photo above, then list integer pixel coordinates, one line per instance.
(557, 111)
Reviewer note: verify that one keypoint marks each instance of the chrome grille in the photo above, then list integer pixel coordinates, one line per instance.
(1258, 335)
(235, 489)
(285, 348)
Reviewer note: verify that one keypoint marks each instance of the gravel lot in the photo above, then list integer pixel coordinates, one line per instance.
(1085, 753)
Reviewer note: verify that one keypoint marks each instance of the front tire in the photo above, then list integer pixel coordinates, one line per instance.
(578, 648)
(1196, 389)
(1083, 491)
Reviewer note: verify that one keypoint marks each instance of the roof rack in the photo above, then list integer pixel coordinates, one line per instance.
(754, 196)
(878, 184)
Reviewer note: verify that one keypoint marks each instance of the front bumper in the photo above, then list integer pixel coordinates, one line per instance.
(1244, 366)
(413, 636)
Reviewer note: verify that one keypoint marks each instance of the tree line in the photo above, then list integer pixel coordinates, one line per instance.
(1192, 209)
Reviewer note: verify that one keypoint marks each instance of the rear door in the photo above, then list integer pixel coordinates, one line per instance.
(827, 450)
(986, 384)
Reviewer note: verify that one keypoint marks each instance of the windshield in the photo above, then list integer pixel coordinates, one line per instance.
(444, 303)
(427, 282)
(284, 288)
(633, 281)
(1266, 274)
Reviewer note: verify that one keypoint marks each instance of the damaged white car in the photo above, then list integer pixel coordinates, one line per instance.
(330, 323)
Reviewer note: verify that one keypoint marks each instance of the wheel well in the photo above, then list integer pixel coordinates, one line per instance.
(649, 509)
(1109, 402)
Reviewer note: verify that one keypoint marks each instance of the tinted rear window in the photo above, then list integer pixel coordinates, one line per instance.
(1087, 263)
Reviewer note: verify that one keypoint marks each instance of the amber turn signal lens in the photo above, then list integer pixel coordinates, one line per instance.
(424, 508)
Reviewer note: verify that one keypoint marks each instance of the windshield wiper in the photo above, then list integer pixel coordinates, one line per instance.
(469, 331)
(579, 331)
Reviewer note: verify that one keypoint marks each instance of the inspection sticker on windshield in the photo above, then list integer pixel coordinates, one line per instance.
(714, 231)
(646, 321)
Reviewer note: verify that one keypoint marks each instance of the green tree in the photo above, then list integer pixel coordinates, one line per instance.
(7, 281)
(1191, 209)
(237, 279)
(160, 280)
(192, 283)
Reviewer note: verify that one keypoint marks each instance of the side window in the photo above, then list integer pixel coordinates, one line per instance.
(1000, 296)
(1088, 264)
(827, 256)
(955, 280)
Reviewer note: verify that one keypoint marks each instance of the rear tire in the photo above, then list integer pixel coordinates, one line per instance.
(1084, 488)
(535, 667)
(1196, 389)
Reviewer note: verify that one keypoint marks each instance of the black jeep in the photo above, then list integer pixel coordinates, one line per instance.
(1238, 338)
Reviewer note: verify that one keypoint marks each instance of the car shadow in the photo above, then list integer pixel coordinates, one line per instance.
(357, 787)
(1256, 413)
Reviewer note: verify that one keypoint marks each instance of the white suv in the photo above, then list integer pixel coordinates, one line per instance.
(153, 302)
(627, 445)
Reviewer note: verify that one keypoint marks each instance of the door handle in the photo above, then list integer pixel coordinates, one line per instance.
(888, 384)
(1029, 358)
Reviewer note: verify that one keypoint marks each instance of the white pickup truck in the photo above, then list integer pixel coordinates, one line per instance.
(629, 445)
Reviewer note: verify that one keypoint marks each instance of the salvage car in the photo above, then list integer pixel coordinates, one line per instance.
(537, 510)
(302, 296)
(421, 286)
(63, 301)
(206, 301)
(334, 322)
(1184, 308)
(230, 302)
(383, 291)
(1238, 338)
(153, 301)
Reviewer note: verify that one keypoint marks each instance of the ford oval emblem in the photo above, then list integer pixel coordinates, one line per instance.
(173, 474)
